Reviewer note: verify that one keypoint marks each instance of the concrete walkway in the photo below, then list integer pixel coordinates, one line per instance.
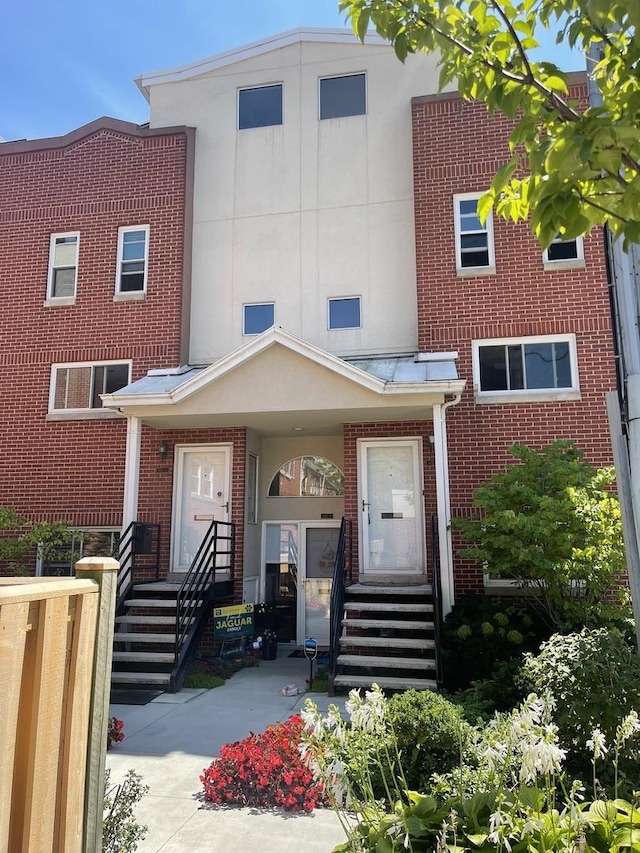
(173, 738)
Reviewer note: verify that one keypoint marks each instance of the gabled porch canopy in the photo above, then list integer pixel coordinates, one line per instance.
(277, 382)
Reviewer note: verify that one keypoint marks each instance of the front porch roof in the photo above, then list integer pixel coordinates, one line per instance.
(277, 382)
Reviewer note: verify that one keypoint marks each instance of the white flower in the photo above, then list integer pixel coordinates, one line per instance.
(597, 744)
(628, 727)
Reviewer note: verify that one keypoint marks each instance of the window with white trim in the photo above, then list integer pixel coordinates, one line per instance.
(63, 265)
(474, 239)
(260, 106)
(343, 96)
(530, 368)
(77, 387)
(133, 250)
(258, 317)
(344, 313)
(564, 252)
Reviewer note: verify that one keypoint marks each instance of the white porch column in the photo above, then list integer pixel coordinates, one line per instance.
(443, 503)
(131, 471)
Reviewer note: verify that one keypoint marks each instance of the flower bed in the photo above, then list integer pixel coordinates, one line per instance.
(264, 770)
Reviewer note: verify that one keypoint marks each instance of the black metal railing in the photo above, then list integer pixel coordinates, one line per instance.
(436, 591)
(138, 547)
(213, 563)
(342, 575)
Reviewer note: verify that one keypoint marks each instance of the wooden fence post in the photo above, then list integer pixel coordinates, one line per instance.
(103, 570)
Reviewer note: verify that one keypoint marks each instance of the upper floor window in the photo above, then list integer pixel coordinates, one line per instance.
(260, 106)
(307, 476)
(474, 239)
(344, 313)
(527, 368)
(77, 387)
(63, 265)
(564, 252)
(343, 96)
(258, 318)
(133, 248)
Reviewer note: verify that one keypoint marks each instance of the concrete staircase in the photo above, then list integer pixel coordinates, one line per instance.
(144, 637)
(387, 638)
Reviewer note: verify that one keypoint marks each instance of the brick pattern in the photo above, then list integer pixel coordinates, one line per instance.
(106, 175)
(456, 148)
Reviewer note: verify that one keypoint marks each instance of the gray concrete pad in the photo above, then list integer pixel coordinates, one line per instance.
(171, 741)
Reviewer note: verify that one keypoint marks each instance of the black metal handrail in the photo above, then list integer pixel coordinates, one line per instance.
(137, 540)
(215, 559)
(436, 591)
(342, 573)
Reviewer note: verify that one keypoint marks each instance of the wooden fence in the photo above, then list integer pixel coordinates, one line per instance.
(55, 662)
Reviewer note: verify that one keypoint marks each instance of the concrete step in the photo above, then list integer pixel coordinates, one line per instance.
(142, 637)
(144, 657)
(375, 662)
(388, 607)
(132, 619)
(159, 603)
(395, 624)
(140, 678)
(157, 586)
(371, 589)
(385, 681)
(386, 642)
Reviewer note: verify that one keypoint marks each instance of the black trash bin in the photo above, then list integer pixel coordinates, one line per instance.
(269, 649)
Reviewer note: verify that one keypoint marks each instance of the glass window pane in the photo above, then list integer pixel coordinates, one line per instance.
(260, 107)
(307, 476)
(342, 96)
(471, 223)
(563, 250)
(474, 259)
(468, 206)
(258, 318)
(66, 251)
(473, 241)
(117, 376)
(516, 369)
(64, 282)
(493, 368)
(73, 388)
(133, 245)
(563, 365)
(344, 313)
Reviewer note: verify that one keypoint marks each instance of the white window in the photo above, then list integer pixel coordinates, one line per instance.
(63, 266)
(258, 317)
(260, 106)
(474, 239)
(525, 369)
(344, 313)
(77, 387)
(343, 96)
(564, 254)
(133, 249)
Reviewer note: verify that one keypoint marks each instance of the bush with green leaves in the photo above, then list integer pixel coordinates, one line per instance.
(430, 732)
(594, 678)
(20, 538)
(481, 631)
(552, 524)
(120, 830)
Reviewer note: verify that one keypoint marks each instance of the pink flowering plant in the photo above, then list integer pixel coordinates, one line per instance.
(115, 731)
(264, 770)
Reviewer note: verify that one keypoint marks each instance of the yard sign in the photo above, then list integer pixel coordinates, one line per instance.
(234, 621)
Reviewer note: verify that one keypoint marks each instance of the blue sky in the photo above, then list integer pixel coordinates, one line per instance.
(64, 63)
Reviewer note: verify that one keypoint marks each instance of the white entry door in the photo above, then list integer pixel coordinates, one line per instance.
(391, 505)
(202, 487)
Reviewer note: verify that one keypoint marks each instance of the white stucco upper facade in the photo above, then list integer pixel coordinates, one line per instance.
(304, 211)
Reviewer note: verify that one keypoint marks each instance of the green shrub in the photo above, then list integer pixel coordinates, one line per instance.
(594, 678)
(120, 832)
(502, 692)
(430, 733)
(203, 681)
(483, 630)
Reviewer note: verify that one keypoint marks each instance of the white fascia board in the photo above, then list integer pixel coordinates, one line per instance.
(248, 51)
(450, 386)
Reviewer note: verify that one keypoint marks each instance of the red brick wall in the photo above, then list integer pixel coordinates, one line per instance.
(106, 175)
(457, 148)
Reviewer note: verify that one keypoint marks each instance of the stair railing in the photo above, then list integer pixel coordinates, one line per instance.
(216, 555)
(138, 540)
(342, 573)
(436, 588)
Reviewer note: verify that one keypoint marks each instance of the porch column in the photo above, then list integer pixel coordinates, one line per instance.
(131, 471)
(443, 503)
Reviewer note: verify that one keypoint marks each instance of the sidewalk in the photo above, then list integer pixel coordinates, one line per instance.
(173, 738)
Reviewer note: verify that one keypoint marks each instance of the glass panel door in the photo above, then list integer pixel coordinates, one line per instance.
(320, 557)
(202, 493)
(391, 504)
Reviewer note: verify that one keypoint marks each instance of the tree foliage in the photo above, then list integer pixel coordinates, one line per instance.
(572, 166)
(551, 523)
(20, 537)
